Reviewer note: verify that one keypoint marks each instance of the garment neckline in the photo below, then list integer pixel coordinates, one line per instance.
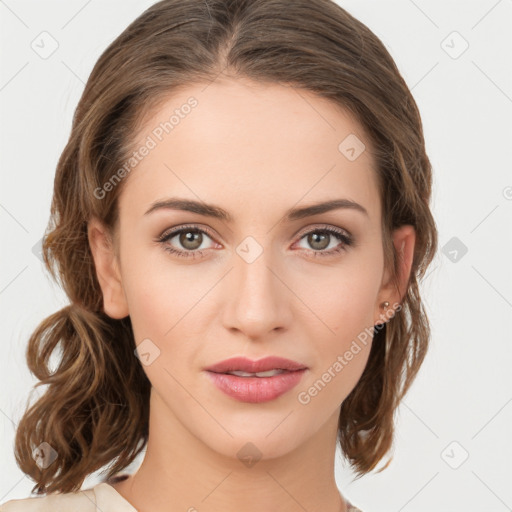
(105, 487)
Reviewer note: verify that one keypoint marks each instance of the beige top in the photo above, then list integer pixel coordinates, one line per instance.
(100, 498)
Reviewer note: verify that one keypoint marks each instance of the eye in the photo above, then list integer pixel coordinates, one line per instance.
(190, 238)
(322, 238)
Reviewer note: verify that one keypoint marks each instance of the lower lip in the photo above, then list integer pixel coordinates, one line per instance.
(256, 389)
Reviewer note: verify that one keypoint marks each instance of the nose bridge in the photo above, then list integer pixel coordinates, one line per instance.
(258, 302)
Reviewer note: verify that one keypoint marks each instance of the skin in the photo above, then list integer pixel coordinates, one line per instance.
(255, 150)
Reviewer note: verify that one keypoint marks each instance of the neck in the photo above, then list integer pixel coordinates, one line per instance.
(180, 472)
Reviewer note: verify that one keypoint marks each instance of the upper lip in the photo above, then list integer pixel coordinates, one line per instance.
(261, 365)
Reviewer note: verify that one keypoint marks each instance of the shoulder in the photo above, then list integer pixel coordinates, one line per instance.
(81, 501)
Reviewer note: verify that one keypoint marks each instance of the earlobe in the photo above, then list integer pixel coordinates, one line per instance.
(404, 239)
(107, 270)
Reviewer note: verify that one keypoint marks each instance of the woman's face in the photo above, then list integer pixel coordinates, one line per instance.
(263, 283)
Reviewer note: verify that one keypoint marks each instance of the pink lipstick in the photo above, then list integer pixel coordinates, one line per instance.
(256, 381)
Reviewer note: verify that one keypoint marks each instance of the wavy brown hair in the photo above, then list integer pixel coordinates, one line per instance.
(95, 409)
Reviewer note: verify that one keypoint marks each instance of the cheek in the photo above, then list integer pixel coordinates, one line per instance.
(343, 304)
(157, 293)
(341, 353)
(163, 301)
(342, 299)
(150, 314)
(159, 312)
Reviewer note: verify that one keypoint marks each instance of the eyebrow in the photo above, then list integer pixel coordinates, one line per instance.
(216, 212)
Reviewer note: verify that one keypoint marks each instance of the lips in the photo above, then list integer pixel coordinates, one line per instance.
(261, 365)
(255, 389)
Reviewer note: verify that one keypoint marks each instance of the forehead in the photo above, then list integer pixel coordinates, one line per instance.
(245, 144)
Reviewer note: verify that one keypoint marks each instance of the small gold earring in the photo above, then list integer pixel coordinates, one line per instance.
(385, 304)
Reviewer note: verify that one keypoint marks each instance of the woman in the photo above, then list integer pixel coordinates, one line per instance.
(240, 220)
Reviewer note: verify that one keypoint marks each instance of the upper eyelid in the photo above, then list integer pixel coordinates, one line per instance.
(319, 227)
(179, 229)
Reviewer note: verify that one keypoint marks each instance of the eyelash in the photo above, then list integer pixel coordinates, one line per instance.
(341, 235)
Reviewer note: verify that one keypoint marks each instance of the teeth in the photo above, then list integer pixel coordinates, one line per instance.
(268, 373)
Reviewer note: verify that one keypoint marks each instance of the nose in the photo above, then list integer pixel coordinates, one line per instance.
(258, 299)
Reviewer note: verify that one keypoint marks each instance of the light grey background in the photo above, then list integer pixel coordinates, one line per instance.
(453, 450)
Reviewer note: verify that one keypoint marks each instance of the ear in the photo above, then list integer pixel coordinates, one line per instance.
(107, 270)
(404, 239)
